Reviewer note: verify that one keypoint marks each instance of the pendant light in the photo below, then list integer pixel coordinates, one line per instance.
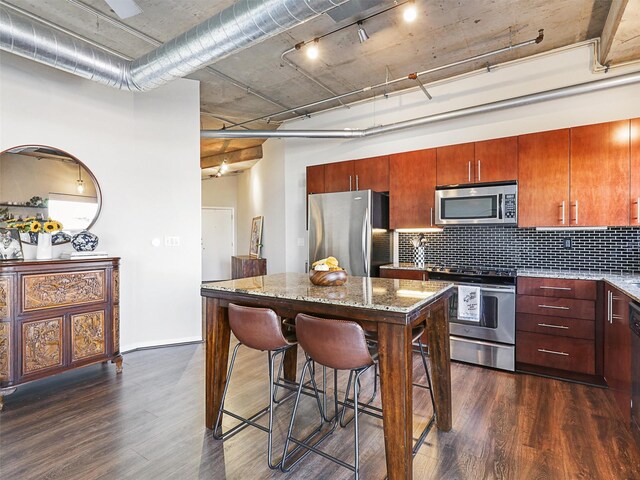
(362, 34)
(80, 182)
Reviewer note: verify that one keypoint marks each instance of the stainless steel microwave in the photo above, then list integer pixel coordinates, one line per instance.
(477, 204)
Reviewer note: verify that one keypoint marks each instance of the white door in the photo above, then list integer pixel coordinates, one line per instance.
(217, 243)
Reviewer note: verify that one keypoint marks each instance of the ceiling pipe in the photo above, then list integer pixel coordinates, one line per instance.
(554, 94)
(243, 24)
(386, 83)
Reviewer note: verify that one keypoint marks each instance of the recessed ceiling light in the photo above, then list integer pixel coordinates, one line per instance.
(410, 12)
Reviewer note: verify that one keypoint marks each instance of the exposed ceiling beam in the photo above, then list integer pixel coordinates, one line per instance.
(244, 155)
(610, 28)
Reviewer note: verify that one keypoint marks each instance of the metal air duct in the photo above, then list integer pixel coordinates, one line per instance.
(243, 24)
(581, 88)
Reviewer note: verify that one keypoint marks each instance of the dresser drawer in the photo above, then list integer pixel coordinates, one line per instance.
(557, 307)
(558, 326)
(557, 287)
(571, 354)
(51, 290)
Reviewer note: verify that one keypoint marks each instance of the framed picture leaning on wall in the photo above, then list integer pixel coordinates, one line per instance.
(255, 238)
(10, 245)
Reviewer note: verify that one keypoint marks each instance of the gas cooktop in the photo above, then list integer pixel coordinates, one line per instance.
(503, 276)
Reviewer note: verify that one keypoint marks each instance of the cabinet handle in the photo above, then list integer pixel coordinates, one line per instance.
(553, 326)
(637, 204)
(610, 306)
(469, 175)
(543, 350)
(562, 208)
(432, 216)
(478, 170)
(350, 189)
(357, 183)
(544, 287)
(554, 307)
(616, 317)
(576, 219)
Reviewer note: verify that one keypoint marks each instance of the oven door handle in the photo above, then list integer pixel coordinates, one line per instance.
(497, 290)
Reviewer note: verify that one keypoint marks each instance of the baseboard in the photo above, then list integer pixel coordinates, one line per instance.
(170, 343)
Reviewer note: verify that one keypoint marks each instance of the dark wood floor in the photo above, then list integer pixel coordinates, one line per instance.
(148, 424)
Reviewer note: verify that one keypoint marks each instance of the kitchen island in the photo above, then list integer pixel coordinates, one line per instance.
(390, 307)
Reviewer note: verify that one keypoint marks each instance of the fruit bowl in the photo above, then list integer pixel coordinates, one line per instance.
(332, 278)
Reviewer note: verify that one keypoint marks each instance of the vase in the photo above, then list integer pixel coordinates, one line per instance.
(44, 250)
(84, 241)
(419, 256)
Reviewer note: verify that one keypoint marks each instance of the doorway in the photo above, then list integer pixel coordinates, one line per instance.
(218, 243)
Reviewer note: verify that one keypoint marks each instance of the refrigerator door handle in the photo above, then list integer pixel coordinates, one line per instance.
(365, 242)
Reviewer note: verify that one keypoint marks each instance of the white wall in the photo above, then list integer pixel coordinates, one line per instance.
(220, 192)
(261, 193)
(144, 151)
(538, 74)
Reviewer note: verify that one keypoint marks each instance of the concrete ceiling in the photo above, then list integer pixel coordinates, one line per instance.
(445, 31)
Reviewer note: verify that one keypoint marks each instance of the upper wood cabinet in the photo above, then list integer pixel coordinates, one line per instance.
(367, 173)
(372, 173)
(543, 179)
(634, 193)
(599, 170)
(496, 160)
(412, 180)
(339, 177)
(455, 164)
(315, 179)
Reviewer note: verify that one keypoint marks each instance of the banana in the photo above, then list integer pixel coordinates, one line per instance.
(331, 262)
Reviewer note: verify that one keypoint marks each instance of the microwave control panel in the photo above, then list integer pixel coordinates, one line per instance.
(510, 208)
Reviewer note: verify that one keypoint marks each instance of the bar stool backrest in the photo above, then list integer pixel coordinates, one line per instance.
(257, 328)
(338, 344)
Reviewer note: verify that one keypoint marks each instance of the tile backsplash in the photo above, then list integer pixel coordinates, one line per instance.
(616, 249)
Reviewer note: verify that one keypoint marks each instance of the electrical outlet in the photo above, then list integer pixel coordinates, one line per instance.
(171, 241)
(567, 243)
(300, 242)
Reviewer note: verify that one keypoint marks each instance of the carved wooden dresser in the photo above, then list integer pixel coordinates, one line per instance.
(57, 315)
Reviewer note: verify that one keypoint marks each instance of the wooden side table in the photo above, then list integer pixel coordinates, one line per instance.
(246, 266)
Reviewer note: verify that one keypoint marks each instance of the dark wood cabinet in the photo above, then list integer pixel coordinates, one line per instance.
(617, 348)
(57, 315)
(372, 174)
(339, 177)
(315, 179)
(634, 193)
(404, 274)
(543, 179)
(556, 331)
(412, 180)
(496, 160)
(455, 164)
(599, 171)
(243, 266)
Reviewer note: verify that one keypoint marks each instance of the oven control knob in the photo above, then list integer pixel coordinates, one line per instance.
(467, 330)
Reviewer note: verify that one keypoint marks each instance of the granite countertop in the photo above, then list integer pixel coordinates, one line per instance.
(628, 283)
(403, 296)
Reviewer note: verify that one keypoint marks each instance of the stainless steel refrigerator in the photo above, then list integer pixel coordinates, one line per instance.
(353, 227)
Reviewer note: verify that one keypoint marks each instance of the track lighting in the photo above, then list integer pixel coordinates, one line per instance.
(312, 50)
(410, 12)
(362, 34)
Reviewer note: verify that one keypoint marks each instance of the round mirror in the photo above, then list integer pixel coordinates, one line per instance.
(47, 183)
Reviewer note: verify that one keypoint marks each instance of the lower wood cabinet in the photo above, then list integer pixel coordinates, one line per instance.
(617, 348)
(243, 266)
(556, 328)
(56, 316)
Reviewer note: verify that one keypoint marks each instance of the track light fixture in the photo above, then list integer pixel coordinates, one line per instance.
(410, 12)
(362, 34)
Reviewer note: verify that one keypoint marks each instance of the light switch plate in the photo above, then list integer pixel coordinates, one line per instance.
(171, 241)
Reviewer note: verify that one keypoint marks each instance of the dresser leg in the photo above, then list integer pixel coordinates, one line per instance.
(118, 362)
(3, 393)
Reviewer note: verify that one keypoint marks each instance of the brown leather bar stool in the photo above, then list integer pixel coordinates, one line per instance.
(340, 345)
(259, 329)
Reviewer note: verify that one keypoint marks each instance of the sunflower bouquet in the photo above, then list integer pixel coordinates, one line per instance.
(35, 225)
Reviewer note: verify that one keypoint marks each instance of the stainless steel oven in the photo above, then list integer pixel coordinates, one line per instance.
(477, 204)
(490, 341)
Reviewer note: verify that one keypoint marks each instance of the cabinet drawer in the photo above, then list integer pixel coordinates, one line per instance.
(403, 274)
(558, 326)
(557, 307)
(571, 354)
(557, 287)
(51, 290)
